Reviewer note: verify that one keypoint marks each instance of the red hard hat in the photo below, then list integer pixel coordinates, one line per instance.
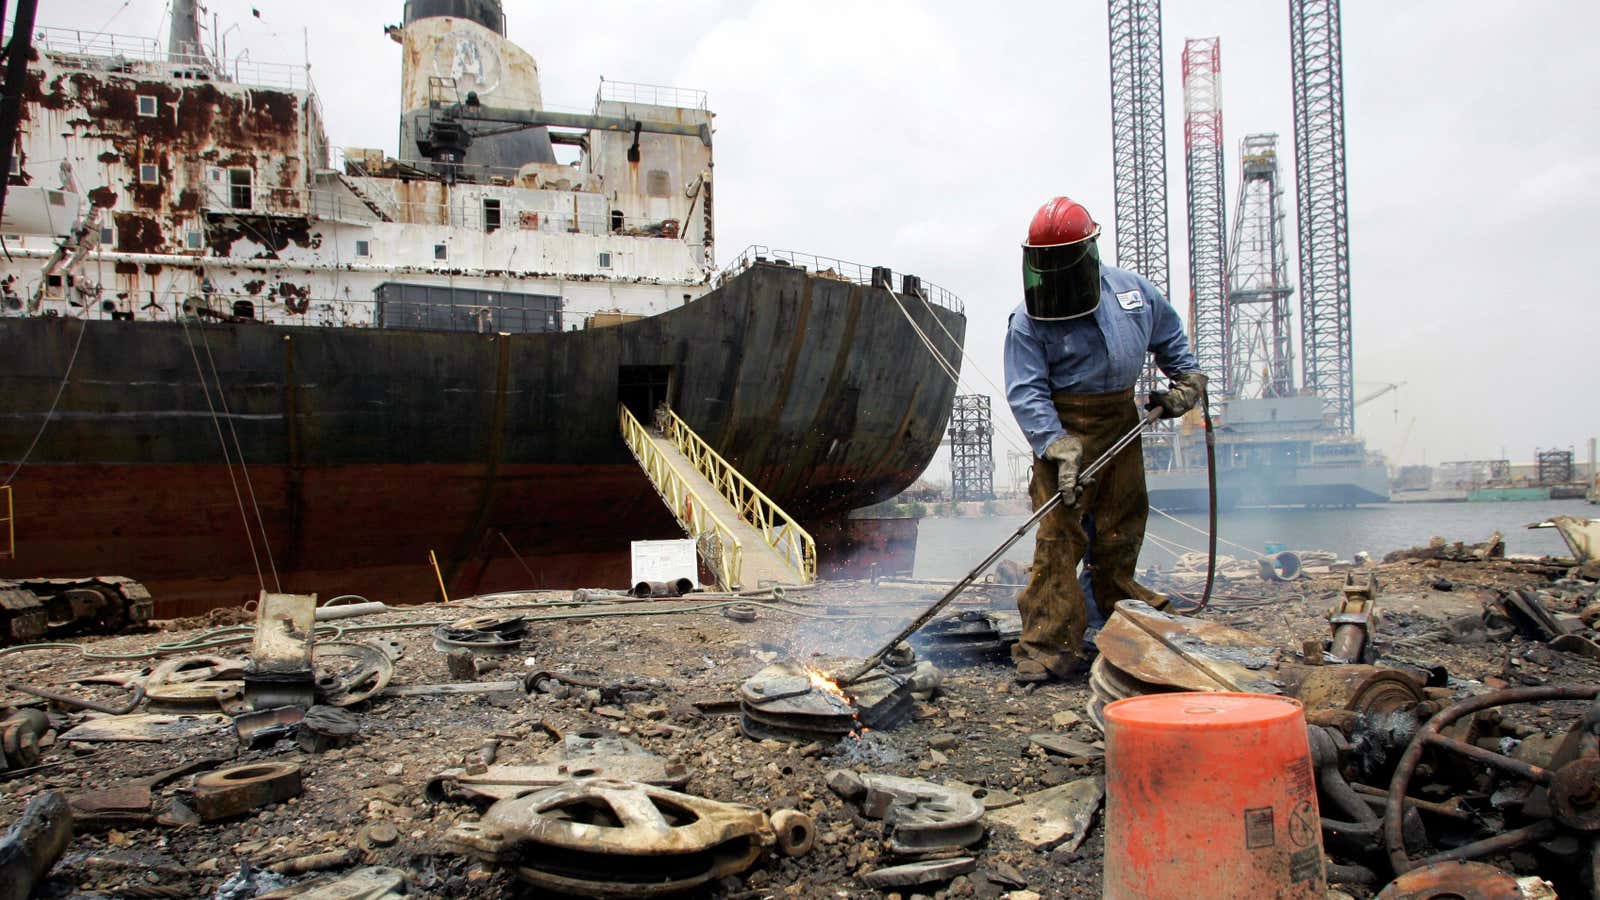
(1061, 221)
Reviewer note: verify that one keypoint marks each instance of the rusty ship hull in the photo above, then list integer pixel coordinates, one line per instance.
(366, 448)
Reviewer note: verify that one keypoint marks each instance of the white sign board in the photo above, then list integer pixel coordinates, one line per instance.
(665, 561)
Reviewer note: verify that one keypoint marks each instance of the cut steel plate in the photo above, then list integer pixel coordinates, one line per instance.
(1454, 880)
(146, 727)
(928, 871)
(601, 838)
(923, 817)
(787, 701)
(488, 634)
(1186, 654)
(973, 632)
(191, 681)
(509, 782)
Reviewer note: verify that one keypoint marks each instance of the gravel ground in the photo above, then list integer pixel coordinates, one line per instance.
(975, 730)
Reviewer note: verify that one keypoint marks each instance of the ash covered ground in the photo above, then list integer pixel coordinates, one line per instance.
(663, 678)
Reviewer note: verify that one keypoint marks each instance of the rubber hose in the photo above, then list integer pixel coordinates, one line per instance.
(1211, 486)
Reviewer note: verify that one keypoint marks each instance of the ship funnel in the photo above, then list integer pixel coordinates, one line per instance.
(183, 38)
(456, 50)
(485, 12)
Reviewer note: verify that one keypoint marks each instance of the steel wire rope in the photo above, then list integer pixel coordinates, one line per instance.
(1199, 530)
(223, 442)
(951, 371)
(238, 450)
(83, 328)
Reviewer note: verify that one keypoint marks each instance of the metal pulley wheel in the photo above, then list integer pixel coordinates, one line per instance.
(348, 673)
(602, 838)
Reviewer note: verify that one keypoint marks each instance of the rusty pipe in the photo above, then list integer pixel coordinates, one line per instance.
(80, 702)
(1347, 644)
(1394, 808)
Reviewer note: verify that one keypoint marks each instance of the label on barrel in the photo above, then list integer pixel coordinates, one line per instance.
(1303, 825)
(1305, 865)
(1302, 781)
(1258, 830)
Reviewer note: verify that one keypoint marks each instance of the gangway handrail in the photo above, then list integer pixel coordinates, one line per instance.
(777, 528)
(715, 542)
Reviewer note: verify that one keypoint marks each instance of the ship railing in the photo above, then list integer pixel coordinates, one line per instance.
(239, 70)
(714, 541)
(838, 269)
(777, 528)
(458, 212)
(651, 94)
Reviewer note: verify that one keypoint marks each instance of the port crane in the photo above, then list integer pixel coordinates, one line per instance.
(1387, 387)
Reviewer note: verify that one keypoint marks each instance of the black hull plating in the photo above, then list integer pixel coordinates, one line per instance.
(407, 441)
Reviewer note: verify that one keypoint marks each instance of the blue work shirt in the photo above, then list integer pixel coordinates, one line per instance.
(1094, 354)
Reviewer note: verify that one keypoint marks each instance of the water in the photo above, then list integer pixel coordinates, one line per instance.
(948, 548)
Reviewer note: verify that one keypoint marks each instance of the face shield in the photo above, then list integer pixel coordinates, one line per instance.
(1061, 281)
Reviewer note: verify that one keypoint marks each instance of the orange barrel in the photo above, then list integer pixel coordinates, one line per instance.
(1210, 795)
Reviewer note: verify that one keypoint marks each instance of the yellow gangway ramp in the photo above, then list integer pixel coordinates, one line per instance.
(741, 534)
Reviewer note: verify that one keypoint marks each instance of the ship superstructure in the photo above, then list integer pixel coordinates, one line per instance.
(237, 357)
(168, 183)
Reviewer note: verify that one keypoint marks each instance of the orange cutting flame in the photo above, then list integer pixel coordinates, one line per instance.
(826, 685)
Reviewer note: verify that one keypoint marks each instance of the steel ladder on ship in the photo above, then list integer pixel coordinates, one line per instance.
(743, 537)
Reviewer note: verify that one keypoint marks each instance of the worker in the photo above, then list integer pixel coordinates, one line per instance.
(1074, 350)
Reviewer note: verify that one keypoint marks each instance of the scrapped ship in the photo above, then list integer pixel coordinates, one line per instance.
(1271, 451)
(235, 356)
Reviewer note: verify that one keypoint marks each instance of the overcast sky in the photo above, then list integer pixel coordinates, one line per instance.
(923, 136)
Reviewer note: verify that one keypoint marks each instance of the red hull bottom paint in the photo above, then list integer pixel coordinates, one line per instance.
(333, 530)
(367, 530)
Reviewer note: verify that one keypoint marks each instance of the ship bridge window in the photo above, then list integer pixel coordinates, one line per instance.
(147, 105)
(108, 235)
(241, 193)
(491, 215)
(148, 173)
(605, 259)
(55, 287)
(191, 240)
(441, 252)
(16, 163)
(363, 248)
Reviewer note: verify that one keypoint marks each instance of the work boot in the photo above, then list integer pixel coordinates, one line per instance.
(1031, 671)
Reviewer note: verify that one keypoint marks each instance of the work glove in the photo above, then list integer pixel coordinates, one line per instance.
(1067, 453)
(1185, 391)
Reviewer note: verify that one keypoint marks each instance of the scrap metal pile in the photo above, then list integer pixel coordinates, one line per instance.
(597, 815)
(580, 753)
(1412, 777)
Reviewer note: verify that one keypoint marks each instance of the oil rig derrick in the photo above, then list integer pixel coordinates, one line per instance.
(1204, 167)
(1322, 205)
(971, 448)
(1139, 146)
(1260, 355)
